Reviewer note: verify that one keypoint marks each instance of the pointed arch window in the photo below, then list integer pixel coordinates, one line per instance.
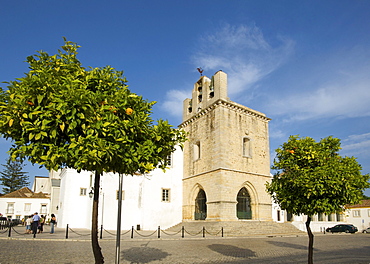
(200, 206)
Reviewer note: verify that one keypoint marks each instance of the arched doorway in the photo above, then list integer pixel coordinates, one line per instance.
(289, 217)
(200, 206)
(243, 207)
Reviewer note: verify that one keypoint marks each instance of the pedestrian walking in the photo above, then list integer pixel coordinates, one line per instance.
(28, 224)
(35, 223)
(41, 224)
(53, 221)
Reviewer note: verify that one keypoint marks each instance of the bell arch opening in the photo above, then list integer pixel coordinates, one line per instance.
(200, 212)
(243, 206)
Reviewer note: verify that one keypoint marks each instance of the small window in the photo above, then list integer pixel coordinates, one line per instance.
(43, 209)
(27, 207)
(10, 208)
(356, 213)
(200, 94)
(83, 191)
(190, 107)
(197, 150)
(212, 88)
(211, 91)
(123, 195)
(165, 195)
(247, 147)
(169, 160)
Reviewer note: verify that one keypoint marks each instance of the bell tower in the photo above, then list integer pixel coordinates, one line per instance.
(226, 157)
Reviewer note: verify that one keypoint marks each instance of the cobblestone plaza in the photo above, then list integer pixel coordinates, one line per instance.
(47, 248)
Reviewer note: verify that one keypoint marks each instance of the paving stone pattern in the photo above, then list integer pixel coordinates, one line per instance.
(47, 248)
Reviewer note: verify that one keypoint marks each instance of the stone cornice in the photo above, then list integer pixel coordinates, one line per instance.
(227, 169)
(230, 105)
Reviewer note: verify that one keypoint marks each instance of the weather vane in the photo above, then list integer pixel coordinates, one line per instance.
(200, 70)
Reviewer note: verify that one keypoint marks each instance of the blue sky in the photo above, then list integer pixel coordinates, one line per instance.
(305, 64)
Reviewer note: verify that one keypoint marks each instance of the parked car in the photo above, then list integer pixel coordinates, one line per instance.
(342, 228)
(367, 230)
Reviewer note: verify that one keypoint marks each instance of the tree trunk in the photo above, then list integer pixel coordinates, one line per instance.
(99, 259)
(310, 240)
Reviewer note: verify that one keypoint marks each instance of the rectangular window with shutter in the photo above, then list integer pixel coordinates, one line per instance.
(165, 195)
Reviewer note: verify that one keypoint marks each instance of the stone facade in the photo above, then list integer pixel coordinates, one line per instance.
(227, 152)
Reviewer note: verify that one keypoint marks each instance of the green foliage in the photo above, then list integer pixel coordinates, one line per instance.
(313, 178)
(3, 95)
(12, 177)
(63, 115)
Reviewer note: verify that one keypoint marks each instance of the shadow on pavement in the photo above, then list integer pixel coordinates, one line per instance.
(143, 254)
(289, 245)
(232, 251)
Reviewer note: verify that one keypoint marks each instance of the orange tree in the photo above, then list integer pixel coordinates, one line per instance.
(63, 115)
(312, 178)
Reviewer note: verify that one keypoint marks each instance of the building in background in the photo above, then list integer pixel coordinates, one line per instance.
(359, 214)
(22, 203)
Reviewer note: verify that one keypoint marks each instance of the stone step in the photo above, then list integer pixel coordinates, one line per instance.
(238, 228)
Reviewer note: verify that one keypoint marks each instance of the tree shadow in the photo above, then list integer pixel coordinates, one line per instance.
(289, 245)
(143, 254)
(232, 251)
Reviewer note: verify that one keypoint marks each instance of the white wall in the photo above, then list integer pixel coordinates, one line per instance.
(41, 184)
(142, 203)
(74, 209)
(19, 206)
(361, 220)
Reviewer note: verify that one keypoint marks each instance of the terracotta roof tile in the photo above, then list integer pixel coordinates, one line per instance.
(25, 192)
(363, 203)
(21, 193)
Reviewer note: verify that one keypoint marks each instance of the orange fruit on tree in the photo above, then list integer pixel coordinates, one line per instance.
(129, 111)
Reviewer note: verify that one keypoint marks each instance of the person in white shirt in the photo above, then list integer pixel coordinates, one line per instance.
(28, 224)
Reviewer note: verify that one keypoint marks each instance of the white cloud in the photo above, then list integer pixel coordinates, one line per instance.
(335, 100)
(360, 137)
(174, 102)
(337, 86)
(276, 133)
(357, 145)
(243, 53)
